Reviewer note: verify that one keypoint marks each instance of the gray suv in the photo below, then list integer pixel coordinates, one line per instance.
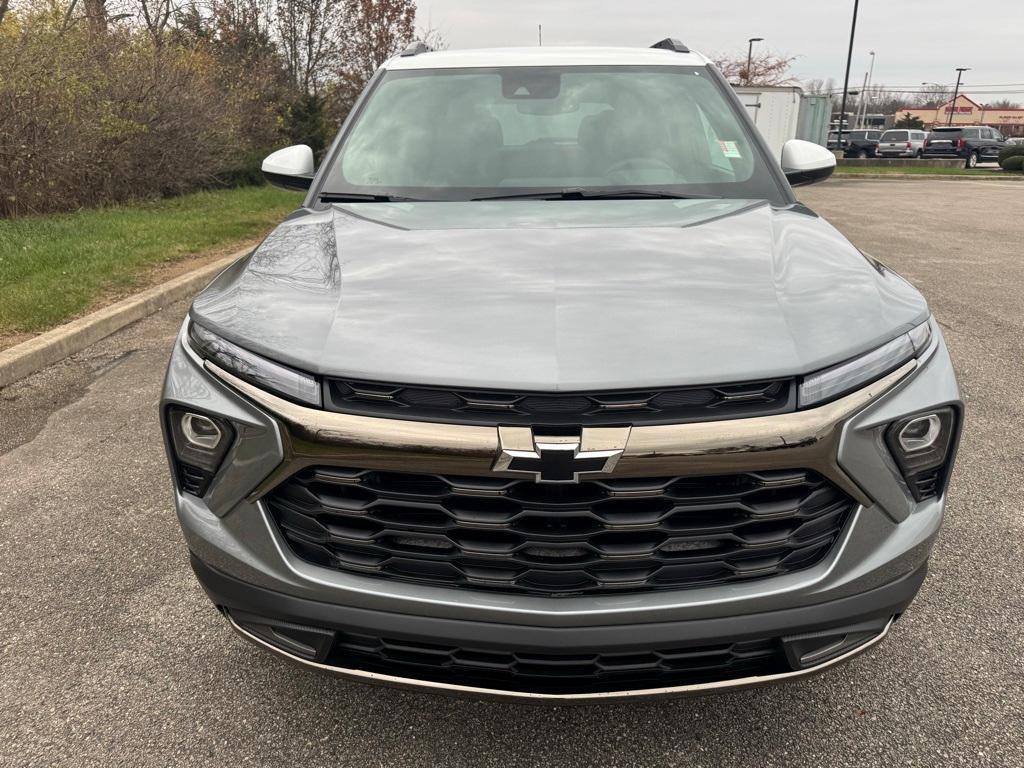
(552, 390)
(902, 143)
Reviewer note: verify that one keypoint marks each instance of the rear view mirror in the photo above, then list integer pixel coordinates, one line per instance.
(804, 162)
(290, 168)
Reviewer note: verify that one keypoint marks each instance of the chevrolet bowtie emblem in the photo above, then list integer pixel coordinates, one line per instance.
(560, 458)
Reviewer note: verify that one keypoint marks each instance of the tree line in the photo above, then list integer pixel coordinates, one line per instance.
(884, 100)
(104, 101)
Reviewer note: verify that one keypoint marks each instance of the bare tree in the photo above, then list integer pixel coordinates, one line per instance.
(820, 87)
(245, 25)
(375, 30)
(881, 99)
(766, 68)
(1003, 104)
(156, 15)
(310, 34)
(96, 16)
(432, 37)
(934, 95)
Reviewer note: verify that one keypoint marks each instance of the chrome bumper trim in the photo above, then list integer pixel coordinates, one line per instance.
(803, 439)
(697, 689)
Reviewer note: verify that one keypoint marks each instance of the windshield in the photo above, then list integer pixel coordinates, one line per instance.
(894, 136)
(462, 134)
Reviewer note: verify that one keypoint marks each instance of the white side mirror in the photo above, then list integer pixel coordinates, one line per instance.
(805, 162)
(290, 168)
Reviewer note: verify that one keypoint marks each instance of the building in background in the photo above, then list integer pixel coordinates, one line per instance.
(966, 111)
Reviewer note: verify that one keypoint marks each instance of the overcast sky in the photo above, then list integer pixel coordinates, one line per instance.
(915, 40)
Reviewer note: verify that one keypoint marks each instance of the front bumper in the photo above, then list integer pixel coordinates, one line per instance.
(810, 639)
(886, 543)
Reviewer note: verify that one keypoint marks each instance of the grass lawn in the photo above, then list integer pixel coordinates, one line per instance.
(921, 170)
(53, 268)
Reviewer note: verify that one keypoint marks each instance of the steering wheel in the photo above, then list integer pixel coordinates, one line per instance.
(638, 164)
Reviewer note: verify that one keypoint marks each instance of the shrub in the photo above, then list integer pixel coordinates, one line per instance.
(1010, 150)
(1013, 163)
(245, 172)
(90, 119)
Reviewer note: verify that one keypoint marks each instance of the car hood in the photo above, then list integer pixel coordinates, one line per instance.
(559, 295)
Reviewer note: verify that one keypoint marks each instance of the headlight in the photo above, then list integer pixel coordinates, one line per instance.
(263, 373)
(846, 377)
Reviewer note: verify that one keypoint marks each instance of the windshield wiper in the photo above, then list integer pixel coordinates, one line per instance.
(614, 193)
(354, 197)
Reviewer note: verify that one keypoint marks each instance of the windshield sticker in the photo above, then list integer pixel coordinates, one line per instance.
(730, 150)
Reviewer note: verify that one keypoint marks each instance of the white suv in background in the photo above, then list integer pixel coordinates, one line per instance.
(902, 143)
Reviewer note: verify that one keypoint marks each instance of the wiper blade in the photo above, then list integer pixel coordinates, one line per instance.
(640, 194)
(624, 193)
(354, 197)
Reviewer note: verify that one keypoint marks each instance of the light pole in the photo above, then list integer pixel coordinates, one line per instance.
(750, 54)
(846, 80)
(860, 103)
(956, 92)
(867, 92)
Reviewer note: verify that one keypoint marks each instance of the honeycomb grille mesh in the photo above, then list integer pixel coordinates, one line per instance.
(677, 405)
(599, 536)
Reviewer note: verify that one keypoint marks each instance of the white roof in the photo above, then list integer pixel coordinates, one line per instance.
(546, 56)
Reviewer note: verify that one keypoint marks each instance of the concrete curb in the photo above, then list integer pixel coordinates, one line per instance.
(926, 177)
(33, 355)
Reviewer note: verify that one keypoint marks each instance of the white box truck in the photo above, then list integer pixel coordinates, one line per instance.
(782, 113)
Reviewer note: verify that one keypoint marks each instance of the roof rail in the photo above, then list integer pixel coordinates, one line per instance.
(671, 44)
(416, 47)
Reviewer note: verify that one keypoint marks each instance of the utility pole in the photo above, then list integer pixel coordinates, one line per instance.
(750, 53)
(846, 80)
(540, 35)
(956, 92)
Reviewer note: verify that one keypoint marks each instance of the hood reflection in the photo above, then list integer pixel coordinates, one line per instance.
(553, 295)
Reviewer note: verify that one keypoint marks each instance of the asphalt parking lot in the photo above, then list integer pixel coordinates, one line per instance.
(110, 653)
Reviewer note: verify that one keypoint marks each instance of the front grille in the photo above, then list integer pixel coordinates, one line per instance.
(491, 407)
(598, 536)
(557, 673)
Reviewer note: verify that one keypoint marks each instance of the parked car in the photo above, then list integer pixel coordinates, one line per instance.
(861, 144)
(975, 143)
(1014, 140)
(902, 143)
(551, 390)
